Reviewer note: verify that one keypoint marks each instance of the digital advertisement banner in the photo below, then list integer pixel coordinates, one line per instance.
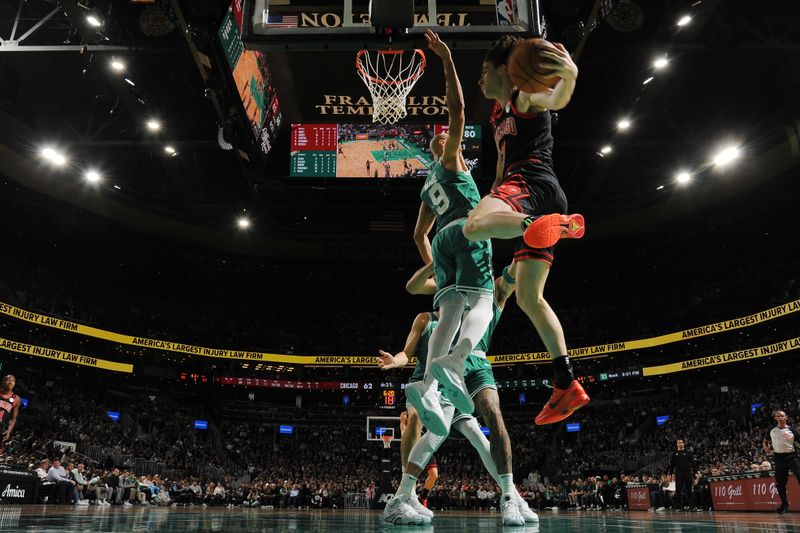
(638, 497)
(759, 494)
(367, 360)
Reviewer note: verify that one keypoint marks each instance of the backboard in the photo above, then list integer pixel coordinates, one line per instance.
(377, 426)
(290, 25)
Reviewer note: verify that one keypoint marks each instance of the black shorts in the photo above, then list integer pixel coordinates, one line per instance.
(531, 187)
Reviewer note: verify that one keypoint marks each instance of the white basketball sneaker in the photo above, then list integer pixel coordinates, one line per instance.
(449, 372)
(509, 507)
(400, 513)
(414, 503)
(527, 513)
(427, 402)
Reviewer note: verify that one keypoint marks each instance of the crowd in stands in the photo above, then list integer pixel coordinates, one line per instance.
(327, 459)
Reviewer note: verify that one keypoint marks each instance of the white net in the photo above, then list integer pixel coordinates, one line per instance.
(389, 75)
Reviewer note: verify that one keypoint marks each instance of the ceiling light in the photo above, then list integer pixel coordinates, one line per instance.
(93, 21)
(117, 65)
(684, 20)
(659, 187)
(170, 150)
(130, 82)
(660, 63)
(92, 176)
(683, 177)
(623, 124)
(153, 125)
(606, 149)
(243, 222)
(56, 158)
(648, 80)
(118, 187)
(726, 155)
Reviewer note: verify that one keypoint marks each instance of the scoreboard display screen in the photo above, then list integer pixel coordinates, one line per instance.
(253, 80)
(372, 151)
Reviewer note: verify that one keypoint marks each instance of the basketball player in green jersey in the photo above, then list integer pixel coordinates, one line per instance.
(416, 345)
(482, 387)
(463, 269)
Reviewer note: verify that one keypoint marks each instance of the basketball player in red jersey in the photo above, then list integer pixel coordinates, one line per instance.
(527, 201)
(9, 408)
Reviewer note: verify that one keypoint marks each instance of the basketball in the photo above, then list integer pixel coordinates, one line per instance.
(524, 70)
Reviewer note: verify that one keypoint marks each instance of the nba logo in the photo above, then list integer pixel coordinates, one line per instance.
(506, 12)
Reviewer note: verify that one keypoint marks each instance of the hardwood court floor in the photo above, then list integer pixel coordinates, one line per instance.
(51, 519)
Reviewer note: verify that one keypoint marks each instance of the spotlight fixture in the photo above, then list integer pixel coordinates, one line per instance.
(93, 21)
(243, 222)
(684, 20)
(659, 187)
(117, 65)
(660, 63)
(170, 150)
(92, 176)
(648, 80)
(606, 149)
(683, 177)
(623, 124)
(153, 125)
(56, 158)
(130, 82)
(726, 156)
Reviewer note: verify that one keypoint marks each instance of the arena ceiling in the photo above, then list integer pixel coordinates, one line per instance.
(733, 77)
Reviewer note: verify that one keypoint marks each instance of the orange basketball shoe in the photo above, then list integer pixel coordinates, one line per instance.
(562, 404)
(545, 231)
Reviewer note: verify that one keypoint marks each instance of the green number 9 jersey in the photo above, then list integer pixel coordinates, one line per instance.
(449, 194)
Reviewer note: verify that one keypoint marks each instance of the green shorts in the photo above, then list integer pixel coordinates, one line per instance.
(459, 263)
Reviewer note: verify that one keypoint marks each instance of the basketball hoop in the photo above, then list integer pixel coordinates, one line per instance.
(389, 75)
(387, 441)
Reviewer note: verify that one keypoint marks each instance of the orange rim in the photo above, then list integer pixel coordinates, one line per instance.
(373, 79)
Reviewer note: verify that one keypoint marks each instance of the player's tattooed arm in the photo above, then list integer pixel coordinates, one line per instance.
(425, 220)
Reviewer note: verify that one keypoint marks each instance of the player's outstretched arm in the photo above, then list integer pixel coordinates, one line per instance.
(422, 282)
(425, 220)
(387, 361)
(454, 97)
(560, 65)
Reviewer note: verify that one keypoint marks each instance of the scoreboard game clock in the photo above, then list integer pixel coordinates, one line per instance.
(388, 397)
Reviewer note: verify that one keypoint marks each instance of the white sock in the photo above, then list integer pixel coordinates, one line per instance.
(407, 486)
(507, 484)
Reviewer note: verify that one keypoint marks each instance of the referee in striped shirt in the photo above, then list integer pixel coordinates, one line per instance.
(782, 441)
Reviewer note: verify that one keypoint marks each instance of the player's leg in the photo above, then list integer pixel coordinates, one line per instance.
(493, 218)
(404, 507)
(475, 282)
(423, 395)
(433, 474)
(487, 403)
(410, 435)
(568, 395)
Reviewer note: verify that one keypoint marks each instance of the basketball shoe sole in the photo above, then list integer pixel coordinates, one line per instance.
(429, 409)
(449, 372)
(562, 403)
(546, 230)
